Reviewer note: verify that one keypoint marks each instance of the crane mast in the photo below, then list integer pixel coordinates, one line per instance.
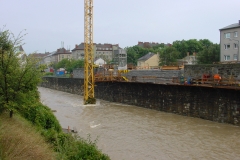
(88, 53)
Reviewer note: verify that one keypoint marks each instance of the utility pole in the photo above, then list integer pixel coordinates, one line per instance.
(88, 53)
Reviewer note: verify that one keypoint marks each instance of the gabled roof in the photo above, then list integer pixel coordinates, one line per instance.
(235, 25)
(79, 47)
(146, 57)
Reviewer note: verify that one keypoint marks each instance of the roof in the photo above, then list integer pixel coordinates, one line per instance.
(79, 47)
(104, 47)
(21, 48)
(39, 55)
(146, 57)
(62, 51)
(235, 25)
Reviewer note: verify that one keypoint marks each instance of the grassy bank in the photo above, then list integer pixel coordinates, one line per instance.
(39, 136)
(20, 140)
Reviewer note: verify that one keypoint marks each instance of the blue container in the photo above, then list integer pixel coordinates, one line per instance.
(60, 73)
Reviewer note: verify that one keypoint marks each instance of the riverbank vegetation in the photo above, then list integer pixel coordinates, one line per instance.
(28, 129)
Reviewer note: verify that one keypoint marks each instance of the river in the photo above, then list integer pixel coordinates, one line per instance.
(126, 132)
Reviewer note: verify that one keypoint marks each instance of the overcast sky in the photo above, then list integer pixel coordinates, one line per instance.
(123, 22)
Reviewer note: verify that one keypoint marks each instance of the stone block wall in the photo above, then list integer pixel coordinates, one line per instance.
(215, 104)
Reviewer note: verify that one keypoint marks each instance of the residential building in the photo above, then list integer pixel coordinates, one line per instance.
(61, 54)
(39, 57)
(47, 59)
(104, 51)
(229, 42)
(148, 61)
(120, 59)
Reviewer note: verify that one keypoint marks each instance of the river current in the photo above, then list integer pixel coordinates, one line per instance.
(126, 132)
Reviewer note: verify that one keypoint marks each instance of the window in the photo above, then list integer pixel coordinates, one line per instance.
(226, 58)
(226, 46)
(227, 35)
(235, 34)
(235, 57)
(235, 45)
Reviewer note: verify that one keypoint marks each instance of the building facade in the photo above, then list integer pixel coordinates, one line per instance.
(148, 61)
(120, 59)
(61, 54)
(229, 42)
(104, 51)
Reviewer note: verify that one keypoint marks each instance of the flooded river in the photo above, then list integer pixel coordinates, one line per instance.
(127, 132)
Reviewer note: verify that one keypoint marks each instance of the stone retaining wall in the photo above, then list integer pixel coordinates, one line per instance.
(215, 104)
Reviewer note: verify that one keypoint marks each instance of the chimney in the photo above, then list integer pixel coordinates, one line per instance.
(76, 45)
(187, 53)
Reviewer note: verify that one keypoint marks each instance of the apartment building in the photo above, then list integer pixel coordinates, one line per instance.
(229, 42)
(60, 54)
(104, 51)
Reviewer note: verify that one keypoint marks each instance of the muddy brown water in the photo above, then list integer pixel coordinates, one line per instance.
(127, 132)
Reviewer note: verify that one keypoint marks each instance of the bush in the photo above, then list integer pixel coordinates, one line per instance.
(67, 146)
(48, 74)
(41, 116)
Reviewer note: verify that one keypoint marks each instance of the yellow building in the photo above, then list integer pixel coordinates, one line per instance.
(149, 61)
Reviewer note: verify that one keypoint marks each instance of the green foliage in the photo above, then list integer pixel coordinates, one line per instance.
(181, 47)
(209, 54)
(48, 74)
(168, 56)
(41, 116)
(76, 148)
(69, 64)
(19, 74)
(205, 43)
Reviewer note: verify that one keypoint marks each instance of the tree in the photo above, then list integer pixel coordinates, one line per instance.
(63, 63)
(18, 77)
(194, 46)
(205, 43)
(69, 64)
(209, 54)
(182, 48)
(168, 56)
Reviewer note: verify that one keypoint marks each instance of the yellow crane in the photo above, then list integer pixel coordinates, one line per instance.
(88, 53)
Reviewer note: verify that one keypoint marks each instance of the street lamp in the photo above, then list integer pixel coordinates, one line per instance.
(238, 47)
